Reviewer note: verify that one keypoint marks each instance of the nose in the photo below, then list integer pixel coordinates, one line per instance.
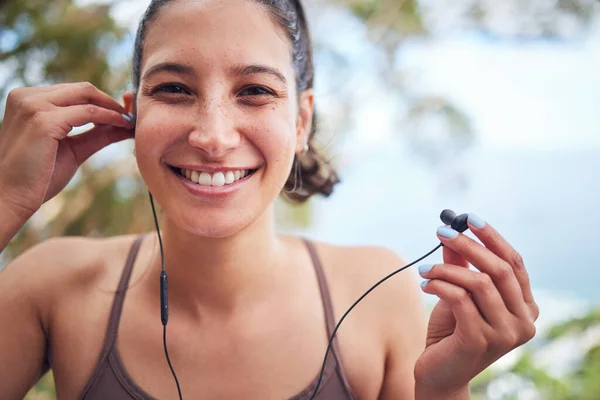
(215, 133)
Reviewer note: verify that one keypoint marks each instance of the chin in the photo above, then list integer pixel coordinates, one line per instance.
(214, 223)
(218, 230)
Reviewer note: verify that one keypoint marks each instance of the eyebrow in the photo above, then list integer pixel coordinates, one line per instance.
(245, 70)
(170, 67)
(239, 70)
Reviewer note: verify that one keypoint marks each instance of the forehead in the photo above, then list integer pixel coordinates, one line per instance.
(216, 32)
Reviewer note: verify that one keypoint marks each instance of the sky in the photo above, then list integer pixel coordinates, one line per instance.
(527, 95)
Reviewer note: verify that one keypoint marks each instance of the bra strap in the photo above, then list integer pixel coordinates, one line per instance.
(328, 308)
(117, 307)
(115, 314)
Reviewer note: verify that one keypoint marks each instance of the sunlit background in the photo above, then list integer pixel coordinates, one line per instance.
(490, 107)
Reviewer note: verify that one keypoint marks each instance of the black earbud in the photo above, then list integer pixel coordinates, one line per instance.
(456, 222)
(133, 119)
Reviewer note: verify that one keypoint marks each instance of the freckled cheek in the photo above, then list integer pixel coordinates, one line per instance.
(274, 138)
(154, 136)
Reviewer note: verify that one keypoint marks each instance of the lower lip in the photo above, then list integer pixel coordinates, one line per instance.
(213, 191)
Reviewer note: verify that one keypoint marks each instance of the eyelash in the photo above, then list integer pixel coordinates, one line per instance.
(182, 90)
(266, 91)
(161, 89)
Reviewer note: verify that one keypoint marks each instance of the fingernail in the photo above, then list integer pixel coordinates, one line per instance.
(447, 232)
(475, 220)
(425, 268)
(132, 116)
(126, 117)
(424, 283)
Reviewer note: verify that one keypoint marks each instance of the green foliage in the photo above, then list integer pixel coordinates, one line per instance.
(44, 390)
(400, 16)
(552, 388)
(67, 43)
(589, 373)
(574, 325)
(580, 384)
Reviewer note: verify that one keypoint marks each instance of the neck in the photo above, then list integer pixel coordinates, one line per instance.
(221, 274)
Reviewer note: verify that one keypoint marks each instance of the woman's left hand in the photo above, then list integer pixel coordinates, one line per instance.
(480, 316)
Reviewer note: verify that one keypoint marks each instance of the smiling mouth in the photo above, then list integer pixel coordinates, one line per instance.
(222, 178)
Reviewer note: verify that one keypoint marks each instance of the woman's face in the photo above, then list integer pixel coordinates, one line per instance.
(218, 117)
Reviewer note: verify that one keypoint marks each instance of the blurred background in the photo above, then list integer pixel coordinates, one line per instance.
(481, 106)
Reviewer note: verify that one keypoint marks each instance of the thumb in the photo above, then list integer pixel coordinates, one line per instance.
(86, 144)
(452, 257)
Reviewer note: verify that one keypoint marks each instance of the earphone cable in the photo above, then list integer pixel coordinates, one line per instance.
(354, 305)
(169, 361)
(164, 312)
(162, 254)
(164, 293)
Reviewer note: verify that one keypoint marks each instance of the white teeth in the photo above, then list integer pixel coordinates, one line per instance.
(194, 176)
(216, 179)
(205, 179)
(229, 177)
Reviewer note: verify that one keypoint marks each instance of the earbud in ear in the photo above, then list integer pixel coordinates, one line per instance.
(456, 222)
(133, 117)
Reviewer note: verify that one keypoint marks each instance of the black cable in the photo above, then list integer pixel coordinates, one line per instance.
(163, 297)
(164, 308)
(169, 360)
(354, 305)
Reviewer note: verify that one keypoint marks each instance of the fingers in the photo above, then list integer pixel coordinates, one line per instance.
(499, 246)
(489, 263)
(80, 115)
(472, 332)
(452, 257)
(481, 315)
(57, 109)
(70, 94)
(481, 287)
(458, 298)
(86, 144)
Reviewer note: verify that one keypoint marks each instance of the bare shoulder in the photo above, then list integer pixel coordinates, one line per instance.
(360, 267)
(70, 257)
(385, 333)
(393, 306)
(62, 265)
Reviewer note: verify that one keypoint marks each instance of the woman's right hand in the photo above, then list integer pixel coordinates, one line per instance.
(37, 158)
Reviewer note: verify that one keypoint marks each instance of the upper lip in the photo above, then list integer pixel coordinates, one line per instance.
(210, 168)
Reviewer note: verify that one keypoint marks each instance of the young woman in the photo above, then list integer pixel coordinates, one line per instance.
(223, 104)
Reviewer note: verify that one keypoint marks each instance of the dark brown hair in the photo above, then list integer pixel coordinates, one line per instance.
(310, 173)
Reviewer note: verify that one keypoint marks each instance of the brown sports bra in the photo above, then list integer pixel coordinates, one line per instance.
(111, 381)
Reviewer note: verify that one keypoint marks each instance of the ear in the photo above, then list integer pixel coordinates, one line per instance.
(129, 102)
(304, 122)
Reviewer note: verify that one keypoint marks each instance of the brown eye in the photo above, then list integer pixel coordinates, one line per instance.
(171, 88)
(256, 91)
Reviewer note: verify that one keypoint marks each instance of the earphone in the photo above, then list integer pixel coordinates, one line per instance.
(448, 217)
(164, 289)
(456, 222)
